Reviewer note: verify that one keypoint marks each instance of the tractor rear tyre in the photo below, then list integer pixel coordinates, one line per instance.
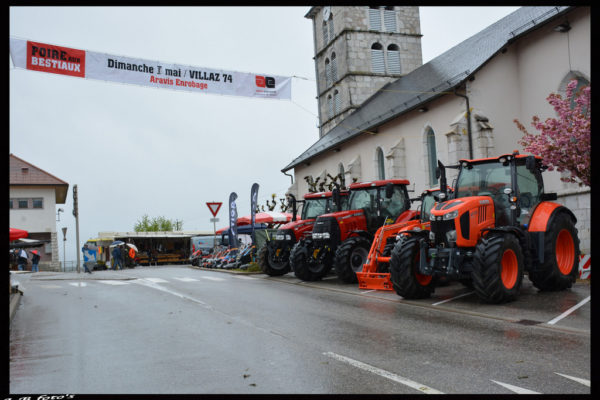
(404, 264)
(350, 257)
(266, 262)
(561, 257)
(498, 268)
(302, 267)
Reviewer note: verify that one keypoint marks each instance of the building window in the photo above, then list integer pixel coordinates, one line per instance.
(337, 102)
(431, 156)
(23, 203)
(330, 23)
(377, 62)
(334, 74)
(330, 106)
(389, 19)
(380, 164)
(325, 34)
(327, 72)
(374, 19)
(393, 59)
(38, 203)
(10, 203)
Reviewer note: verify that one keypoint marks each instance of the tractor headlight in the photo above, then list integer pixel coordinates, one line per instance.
(432, 217)
(451, 215)
(279, 237)
(325, 235)
(451, 236)
(431, 236)
(288, 237)
(317, 235)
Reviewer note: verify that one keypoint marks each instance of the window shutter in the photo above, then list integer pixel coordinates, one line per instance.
(393, 61)
(374, 19)
(377, 61)
(328, 73)
(337, 102)
(330, 23)
(325, 36)
(330, 106)
(389, 19)
(334, 75)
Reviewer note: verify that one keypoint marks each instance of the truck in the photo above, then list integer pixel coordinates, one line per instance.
(341, 240)
(500, 225)
(273, 257)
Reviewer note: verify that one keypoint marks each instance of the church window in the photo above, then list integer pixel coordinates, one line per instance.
(377, 61)
(393, 59)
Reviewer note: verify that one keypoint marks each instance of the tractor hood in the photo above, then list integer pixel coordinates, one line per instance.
(339, 215)
(294, 225)
(457, 206)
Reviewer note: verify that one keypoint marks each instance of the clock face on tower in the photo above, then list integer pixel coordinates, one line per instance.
(326, 13)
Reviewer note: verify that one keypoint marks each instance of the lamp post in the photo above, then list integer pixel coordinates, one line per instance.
(64, 229)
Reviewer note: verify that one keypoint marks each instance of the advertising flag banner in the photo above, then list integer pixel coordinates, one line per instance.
(233, 215)
(253, 204)
(54, 59)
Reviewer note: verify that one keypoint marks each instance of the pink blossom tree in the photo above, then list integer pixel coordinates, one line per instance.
(564, 143)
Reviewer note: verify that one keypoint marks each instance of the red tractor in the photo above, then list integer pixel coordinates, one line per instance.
(375, 274)
(499, 225)
(343, 239)
(273, 257)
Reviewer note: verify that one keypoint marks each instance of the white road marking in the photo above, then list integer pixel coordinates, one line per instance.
(579, 380)
(212, 278)
(243, 277)
(569, 311)
(187, 279)
(453, 298)
(516, 389)
(153, 285)
(368, 291)
(78, 284)
(50, 286)
(114, 282)
(156, 280)
(384, 373)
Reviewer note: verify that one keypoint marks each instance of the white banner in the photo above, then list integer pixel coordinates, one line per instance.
(43, 57)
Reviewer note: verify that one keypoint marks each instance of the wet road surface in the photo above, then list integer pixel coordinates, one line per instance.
(176, 329)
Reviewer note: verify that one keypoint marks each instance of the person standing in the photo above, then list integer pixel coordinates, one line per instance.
(116, 255)
(22, 260)
(35, 259)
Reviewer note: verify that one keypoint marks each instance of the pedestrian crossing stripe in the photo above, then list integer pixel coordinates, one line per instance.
(78, 284)
(156, 280)
(187, 279)
(210, 278)
(114, 282)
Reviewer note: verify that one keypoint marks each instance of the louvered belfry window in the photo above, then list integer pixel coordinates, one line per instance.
(377, 61)
(374, 19)
(325, 34)
(330, 106)
(334, 74)
(393, 59)
(327, 72)
(337, 102)
(389, 20)
(330, 23)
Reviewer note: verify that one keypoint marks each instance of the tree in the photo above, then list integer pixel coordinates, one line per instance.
(156, 224)
(564, 143)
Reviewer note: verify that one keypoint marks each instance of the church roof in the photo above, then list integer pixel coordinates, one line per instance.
(440, 75)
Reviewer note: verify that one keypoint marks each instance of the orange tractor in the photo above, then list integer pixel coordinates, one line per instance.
(499, 225)
(342, 239)
(273, 257)
(375, 274)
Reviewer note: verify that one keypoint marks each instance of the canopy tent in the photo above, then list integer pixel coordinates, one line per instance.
(15, 234)
(26, 243)
(267, 217)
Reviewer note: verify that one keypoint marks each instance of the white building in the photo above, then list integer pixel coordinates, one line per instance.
(504, 72)
(33, 196)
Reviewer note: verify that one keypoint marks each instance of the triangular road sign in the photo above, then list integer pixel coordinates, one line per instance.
(214, 207)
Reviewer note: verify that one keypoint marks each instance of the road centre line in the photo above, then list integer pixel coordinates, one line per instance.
(452, 298)
(384, 373)
(569, 311)
(579, 380)
(515, 389)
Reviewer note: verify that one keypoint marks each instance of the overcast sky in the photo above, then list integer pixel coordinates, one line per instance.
(133, 150)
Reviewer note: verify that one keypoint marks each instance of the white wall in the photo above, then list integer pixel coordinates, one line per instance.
(34, 220)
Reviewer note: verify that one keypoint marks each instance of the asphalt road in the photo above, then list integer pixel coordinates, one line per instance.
(176, 329)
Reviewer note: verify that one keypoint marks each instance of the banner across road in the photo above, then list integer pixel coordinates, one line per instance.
(78, 63)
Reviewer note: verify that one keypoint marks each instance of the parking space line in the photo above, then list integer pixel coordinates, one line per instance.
(515, 389)
(579, 380)
(384, 373)
(452, 298)
(569, 311)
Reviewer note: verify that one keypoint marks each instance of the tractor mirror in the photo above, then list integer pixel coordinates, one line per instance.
(530, 163)
(389, 190)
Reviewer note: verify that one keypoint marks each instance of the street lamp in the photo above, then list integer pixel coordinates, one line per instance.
(64, 229)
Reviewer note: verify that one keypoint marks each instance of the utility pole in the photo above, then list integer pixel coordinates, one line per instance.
(64, 229)
(76, 214)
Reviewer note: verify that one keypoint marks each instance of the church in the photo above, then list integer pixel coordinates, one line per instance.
(383, 114)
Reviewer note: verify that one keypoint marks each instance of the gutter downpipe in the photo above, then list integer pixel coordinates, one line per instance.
(468, 120)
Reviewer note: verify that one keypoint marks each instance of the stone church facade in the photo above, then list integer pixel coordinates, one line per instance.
(397, 119)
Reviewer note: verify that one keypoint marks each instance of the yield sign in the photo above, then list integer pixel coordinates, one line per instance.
(214, 207)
